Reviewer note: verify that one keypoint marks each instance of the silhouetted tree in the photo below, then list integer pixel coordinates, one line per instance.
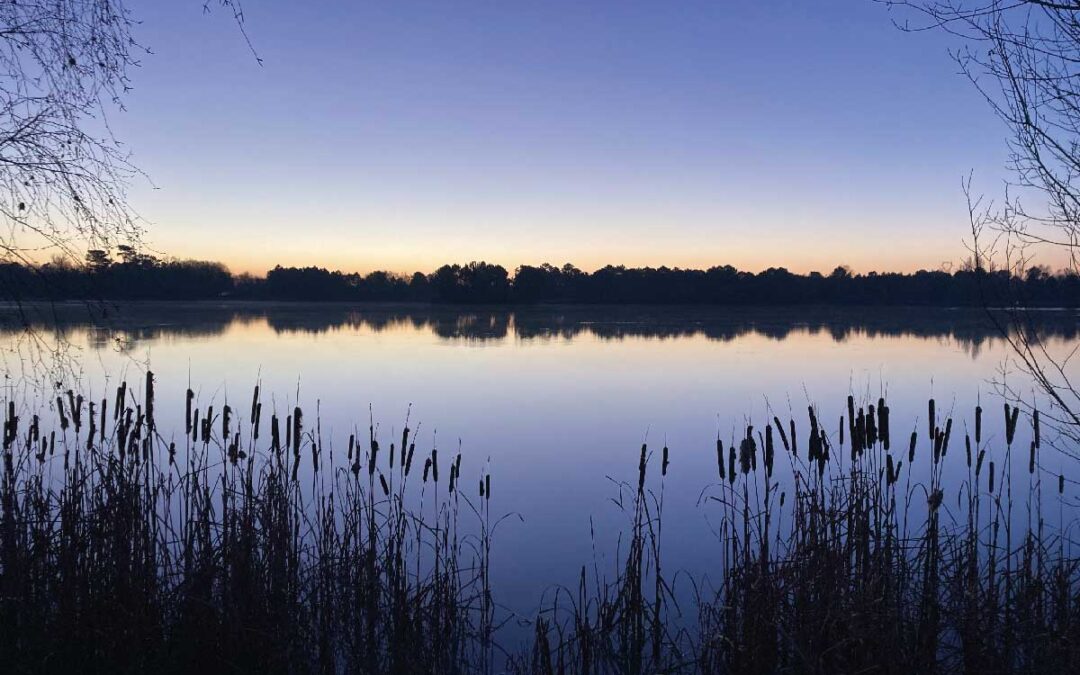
(1023, 56)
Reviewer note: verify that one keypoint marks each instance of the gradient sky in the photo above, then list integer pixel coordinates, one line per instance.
(401, 135)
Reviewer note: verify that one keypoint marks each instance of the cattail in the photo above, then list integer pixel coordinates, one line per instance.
(435, 465)
(783, 436)
(10, 426)
(93, 427)
(851, 417)
(720, 457)
(408, 458)
(298, 426)
(641, 468)
(481, 488)
(841, 431)
(172, 453)
(931, 420)
(226, 419)
(391, 455)
(255, 402)
(1035, 423)
(768, 450)
(794, 442)
(149, 394)
(453, 476)
(59, 409)
(373, 455)
(948, 435)
(386, 488)
(1031, 459)
(1061, 484)
(404, 444)
(911, 448)
(744, 455)
(978, 425)
(275, 434)
(487, 485)
(664, 463)
(101, 431)
(188, 399)
(979, 462)
(121, 399)
(1009, 429)
(883, 422)
(427, 468)
(258, 419)
(76, 410)
(967, 445)
(889, 467)
(991, 477)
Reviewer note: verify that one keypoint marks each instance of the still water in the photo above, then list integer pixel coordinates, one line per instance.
(557, 399)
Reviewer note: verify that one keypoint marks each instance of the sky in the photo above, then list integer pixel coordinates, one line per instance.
(403, 135)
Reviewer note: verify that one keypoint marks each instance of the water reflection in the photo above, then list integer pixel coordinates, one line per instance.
(135, 323)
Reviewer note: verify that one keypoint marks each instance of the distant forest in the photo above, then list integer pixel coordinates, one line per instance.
(132, 275)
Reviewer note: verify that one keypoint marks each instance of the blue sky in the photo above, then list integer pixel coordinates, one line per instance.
(400, 135)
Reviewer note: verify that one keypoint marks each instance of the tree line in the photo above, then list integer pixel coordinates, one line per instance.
(132, 275)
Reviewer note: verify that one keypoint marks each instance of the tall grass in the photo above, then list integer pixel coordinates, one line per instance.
(848, 565)
(227, 551)
(248, 544)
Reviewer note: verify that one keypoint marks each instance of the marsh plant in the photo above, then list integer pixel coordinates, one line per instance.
(250, 544)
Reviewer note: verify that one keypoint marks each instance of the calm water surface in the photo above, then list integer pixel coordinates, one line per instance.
(557, 399)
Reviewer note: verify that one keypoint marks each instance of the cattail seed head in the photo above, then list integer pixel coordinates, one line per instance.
(720, 457)
(641, 467)
(931, 419)
(189, 398)
(978, 425)
(783, 436)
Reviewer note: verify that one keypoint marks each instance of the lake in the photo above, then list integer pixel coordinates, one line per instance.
(557, 399)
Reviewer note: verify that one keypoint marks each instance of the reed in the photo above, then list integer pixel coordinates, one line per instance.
(123, 549)
(856, 567)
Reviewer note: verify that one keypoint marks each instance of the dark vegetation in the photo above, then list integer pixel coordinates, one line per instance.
(253, 544)
(137, 276)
